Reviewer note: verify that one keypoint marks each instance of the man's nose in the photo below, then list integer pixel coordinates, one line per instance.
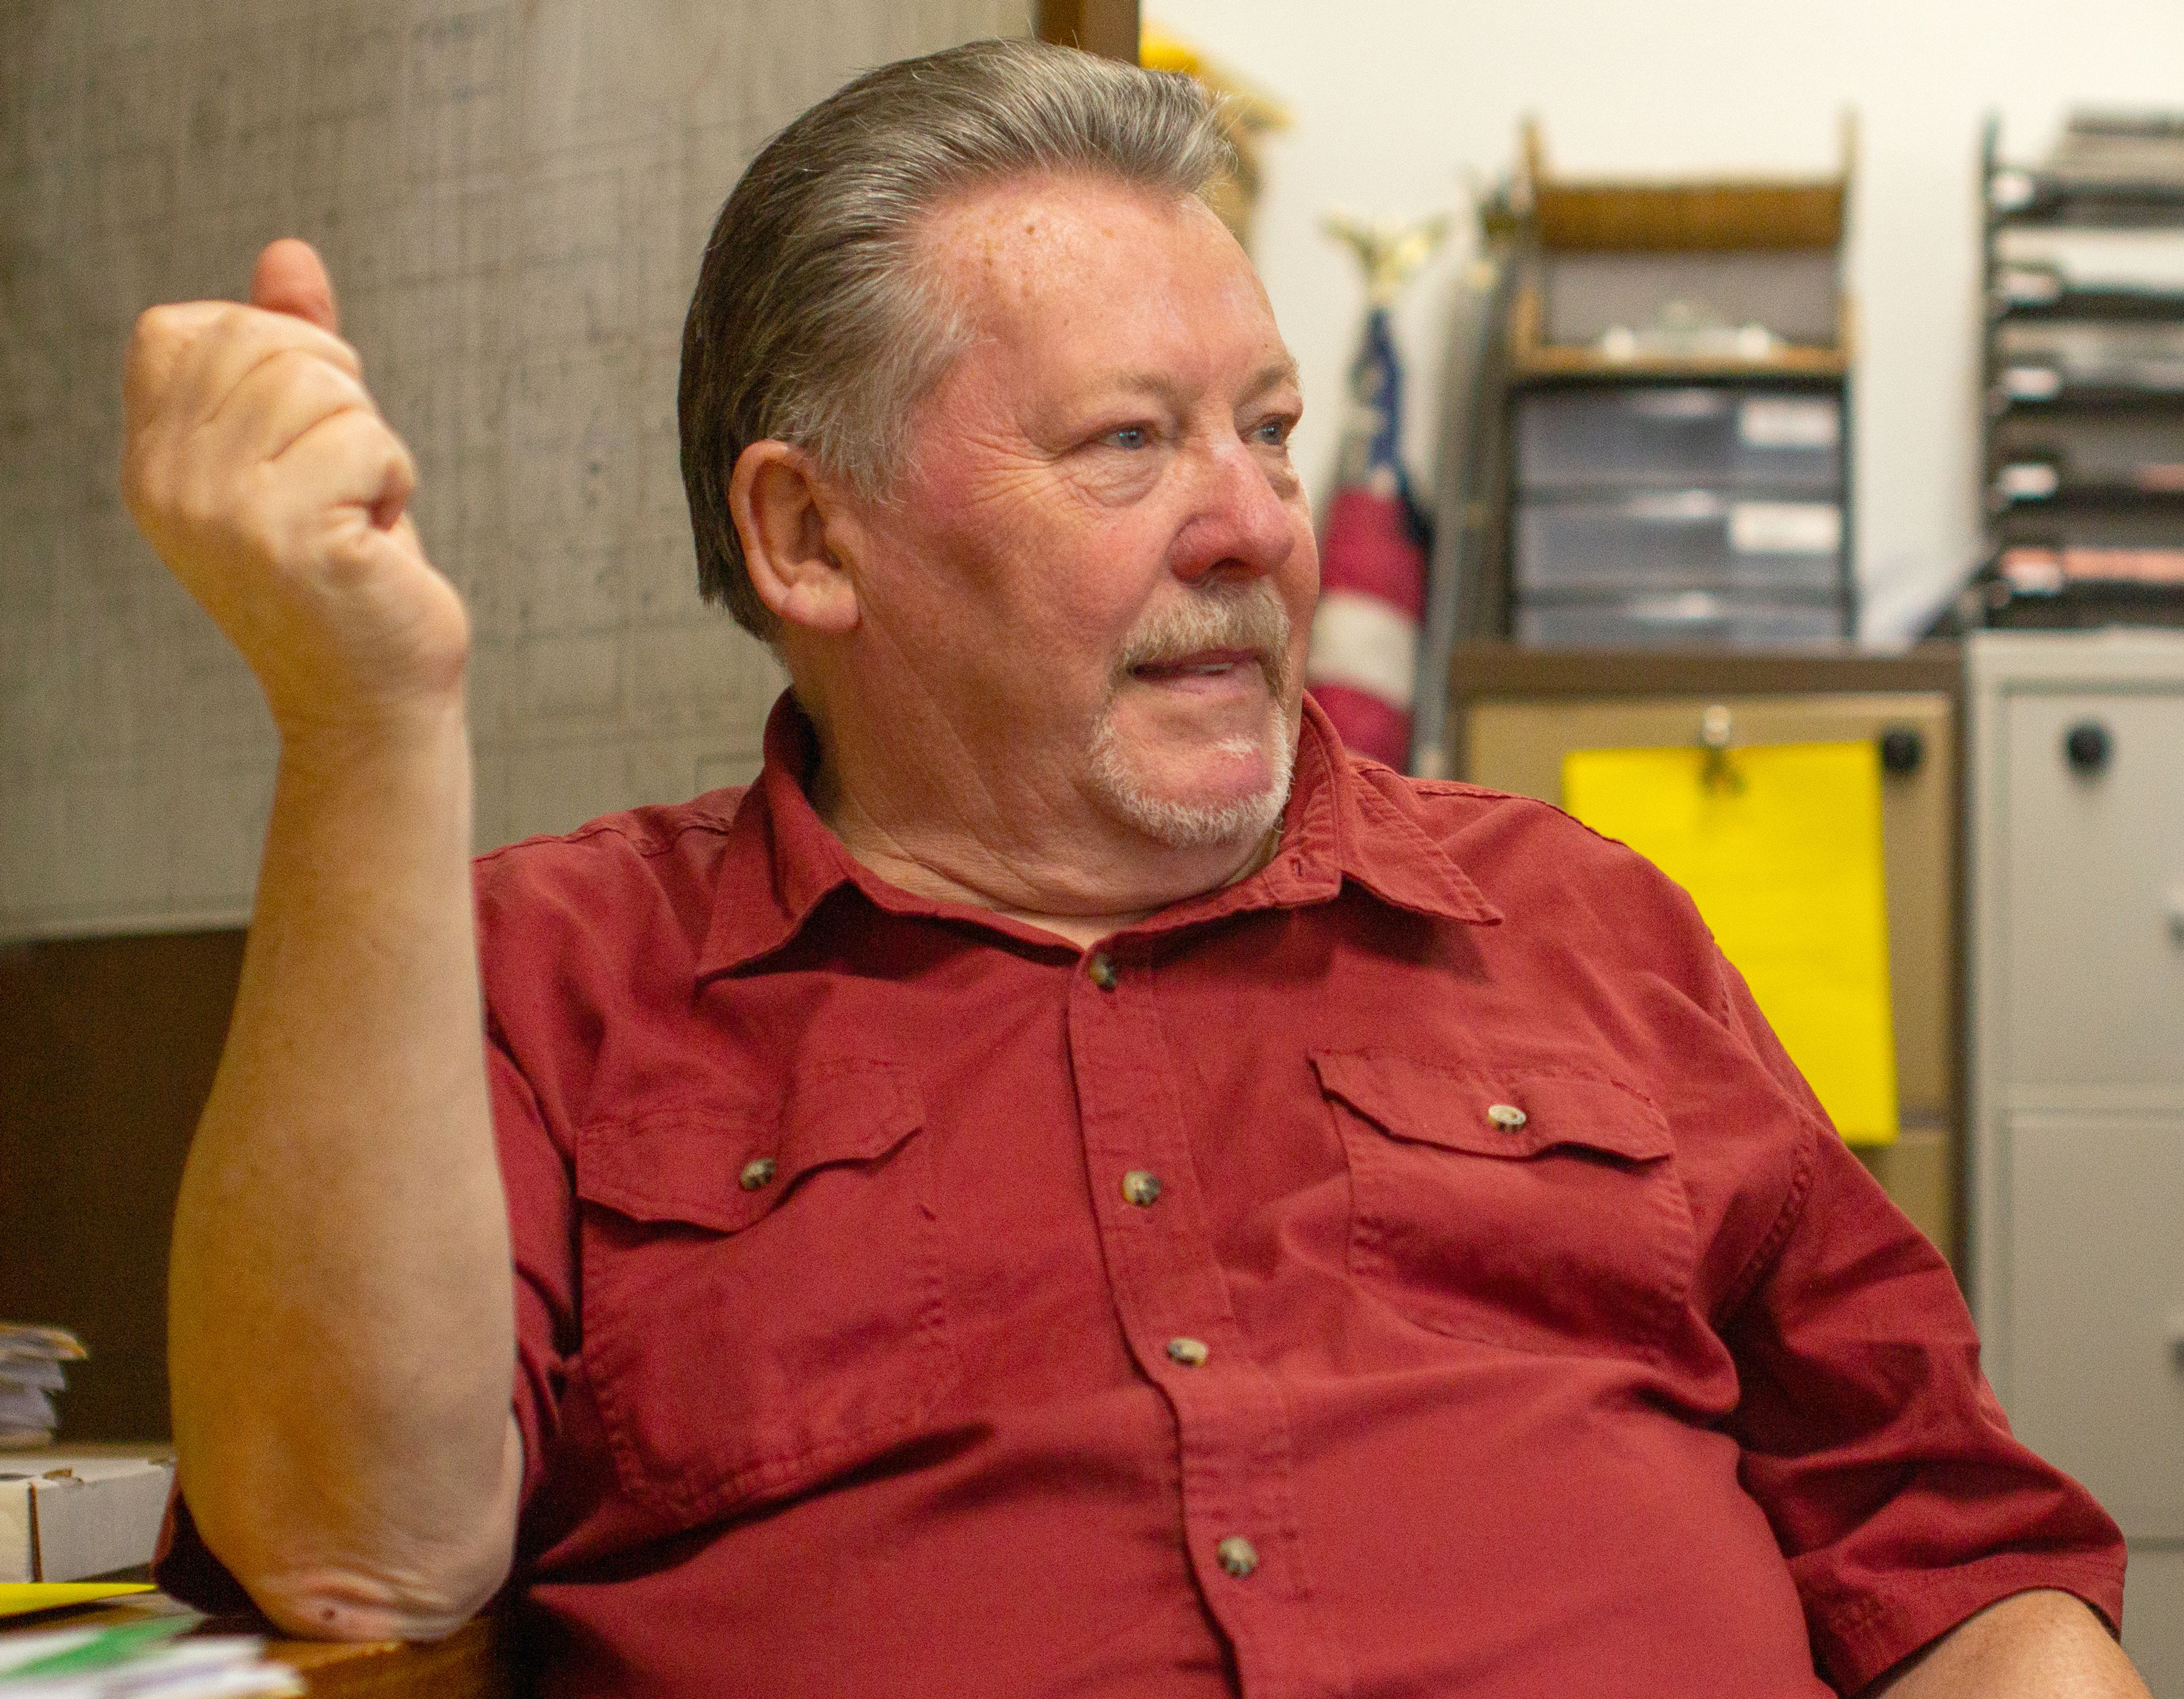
(1239, 526)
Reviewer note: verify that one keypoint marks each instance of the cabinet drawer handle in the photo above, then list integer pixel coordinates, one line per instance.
(2087, 746)
(1902, 751)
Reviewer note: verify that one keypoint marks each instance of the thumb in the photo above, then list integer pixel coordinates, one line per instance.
(290, 278)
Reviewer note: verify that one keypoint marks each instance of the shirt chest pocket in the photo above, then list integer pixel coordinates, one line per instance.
(1539, 1210)
(762, 1295)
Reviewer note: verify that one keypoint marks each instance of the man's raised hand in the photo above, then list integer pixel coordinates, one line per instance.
(257, 463)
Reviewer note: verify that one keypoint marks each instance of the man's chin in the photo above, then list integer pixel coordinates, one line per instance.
(1231, 793)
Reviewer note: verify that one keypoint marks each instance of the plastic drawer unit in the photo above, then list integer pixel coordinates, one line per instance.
(1675, 540)
(1649, 437)
(1654, 622)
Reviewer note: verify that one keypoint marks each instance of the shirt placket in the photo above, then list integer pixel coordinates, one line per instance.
(1234, 1456)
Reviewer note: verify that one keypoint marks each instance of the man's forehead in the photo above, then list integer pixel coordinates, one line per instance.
(1007, 242)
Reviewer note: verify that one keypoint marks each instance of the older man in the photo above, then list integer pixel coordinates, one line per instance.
(1070, 1183)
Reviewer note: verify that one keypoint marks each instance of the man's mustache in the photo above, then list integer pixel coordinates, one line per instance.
(1249, 616)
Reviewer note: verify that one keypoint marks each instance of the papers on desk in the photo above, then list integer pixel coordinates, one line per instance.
(24, 1598)
(30, 1373)
(1779, 846)
(151, 1658)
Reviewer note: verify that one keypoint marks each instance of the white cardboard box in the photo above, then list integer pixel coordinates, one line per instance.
(65, 1516)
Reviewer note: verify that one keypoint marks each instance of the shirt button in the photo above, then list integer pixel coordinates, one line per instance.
(1506, 1115)
(1102, 972)
(1190, 1353)
(1236, 1556)
(757, 1172)
(1141, 1187)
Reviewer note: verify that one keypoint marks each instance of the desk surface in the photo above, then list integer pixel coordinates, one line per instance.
(466, 1665)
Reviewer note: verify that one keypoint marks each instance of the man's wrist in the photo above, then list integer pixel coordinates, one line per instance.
(324, 735)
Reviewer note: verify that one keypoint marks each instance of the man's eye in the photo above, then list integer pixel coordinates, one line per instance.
(1273, 433)
(1129, 436)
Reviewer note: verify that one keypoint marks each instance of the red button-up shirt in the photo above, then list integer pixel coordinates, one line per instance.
(1413, 1270)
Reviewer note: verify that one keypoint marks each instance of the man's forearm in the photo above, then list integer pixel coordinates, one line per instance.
(342, 1332)
(2029, 1646)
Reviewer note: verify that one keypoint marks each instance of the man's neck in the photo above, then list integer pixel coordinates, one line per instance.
(1073, 902)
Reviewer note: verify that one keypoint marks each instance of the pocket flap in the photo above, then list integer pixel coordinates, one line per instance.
(705, 1163)
(1469, 1109)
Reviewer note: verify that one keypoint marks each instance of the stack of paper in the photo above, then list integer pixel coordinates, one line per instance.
(30, 1373)
(152, 1657)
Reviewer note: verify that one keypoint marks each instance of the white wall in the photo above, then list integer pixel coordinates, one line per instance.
(1399, 103)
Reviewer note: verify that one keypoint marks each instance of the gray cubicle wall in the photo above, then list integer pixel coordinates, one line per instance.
(512, 195)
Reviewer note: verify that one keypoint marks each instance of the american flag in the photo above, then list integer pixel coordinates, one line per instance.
(1362, 665)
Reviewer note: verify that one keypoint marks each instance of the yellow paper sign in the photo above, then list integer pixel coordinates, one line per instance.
(20, 1598)
(1779, 845)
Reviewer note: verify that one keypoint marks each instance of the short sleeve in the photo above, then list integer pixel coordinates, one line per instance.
(542, 1228)
(1871, 1438)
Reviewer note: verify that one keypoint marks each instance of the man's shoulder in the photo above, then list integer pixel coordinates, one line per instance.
(1491, 833)
(625, 839)
(1544, 871)
(621, 873)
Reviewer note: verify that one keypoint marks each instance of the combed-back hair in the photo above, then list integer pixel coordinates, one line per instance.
(813, 322)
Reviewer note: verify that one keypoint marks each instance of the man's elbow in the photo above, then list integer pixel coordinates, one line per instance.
(401, 1560)
(376, 1602)
(324, 1577)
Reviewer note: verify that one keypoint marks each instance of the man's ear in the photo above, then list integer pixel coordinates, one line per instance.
(784, 505)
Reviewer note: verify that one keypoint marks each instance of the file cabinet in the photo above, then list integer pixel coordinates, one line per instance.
(2076, 995)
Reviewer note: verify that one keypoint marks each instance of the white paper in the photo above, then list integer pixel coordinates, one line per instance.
(1781, 422)
(26, 1406)
(27, 1648)
(2027, 480)
(209, 1667)
(1786, 527)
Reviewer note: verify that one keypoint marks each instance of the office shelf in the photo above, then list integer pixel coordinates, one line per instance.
(1676, 412)
(2083, 432)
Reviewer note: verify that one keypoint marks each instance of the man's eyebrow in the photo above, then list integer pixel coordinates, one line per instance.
(1271, 375)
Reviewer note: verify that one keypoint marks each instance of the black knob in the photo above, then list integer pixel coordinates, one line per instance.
(1901, 749)
(2087, 746)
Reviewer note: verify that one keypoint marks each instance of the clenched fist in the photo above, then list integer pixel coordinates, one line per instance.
(258, 466)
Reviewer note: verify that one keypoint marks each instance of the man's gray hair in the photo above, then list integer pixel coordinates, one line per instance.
(813, 322)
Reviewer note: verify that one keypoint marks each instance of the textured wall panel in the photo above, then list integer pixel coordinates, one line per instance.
(512, 198)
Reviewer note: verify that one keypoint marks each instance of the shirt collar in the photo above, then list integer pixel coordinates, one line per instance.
(781, 861)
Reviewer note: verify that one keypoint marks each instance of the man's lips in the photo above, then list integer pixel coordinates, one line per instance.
(1208, 663)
